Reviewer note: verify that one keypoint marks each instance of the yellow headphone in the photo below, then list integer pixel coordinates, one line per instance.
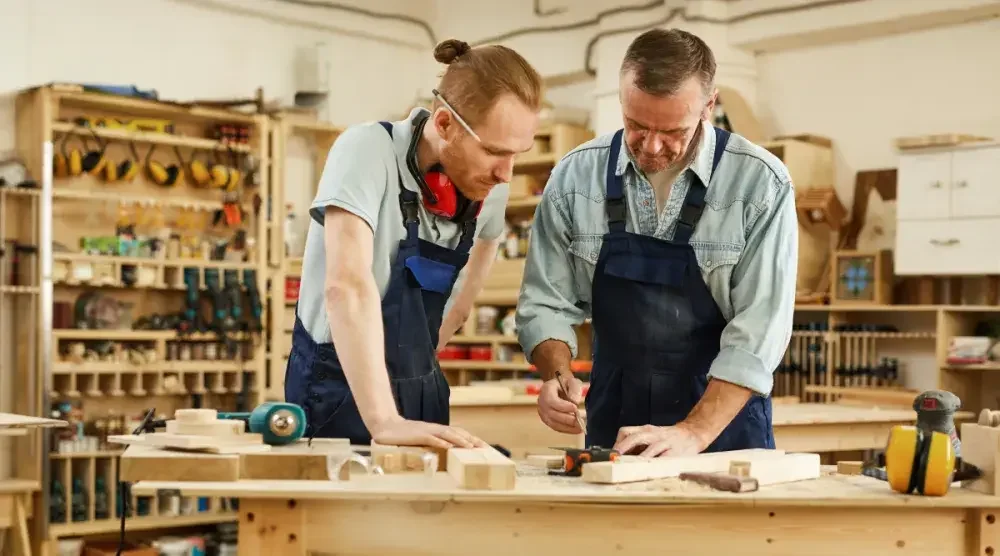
(160, 174)
(918, 462)
(67, 163)
(93, 162)
(199, 172)
(126, 170)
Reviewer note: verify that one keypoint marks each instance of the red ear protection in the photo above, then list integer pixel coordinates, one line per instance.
(440, 196)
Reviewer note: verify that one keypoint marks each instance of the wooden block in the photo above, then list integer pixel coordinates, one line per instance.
(198, 416)
(219, 427)
(481, 469)
(632, 469)
(849, 467)
(142, 463)
(414, 461)
(981, 448)
(785, 469)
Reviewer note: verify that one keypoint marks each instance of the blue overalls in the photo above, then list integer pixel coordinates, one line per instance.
(421, 280)
(657, 327)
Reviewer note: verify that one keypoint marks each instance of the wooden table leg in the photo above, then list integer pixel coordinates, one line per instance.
(986, 538)
(20, 526)
(271, 526)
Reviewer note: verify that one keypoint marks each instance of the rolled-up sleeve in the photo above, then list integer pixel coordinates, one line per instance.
(763, 296)
(547, 307)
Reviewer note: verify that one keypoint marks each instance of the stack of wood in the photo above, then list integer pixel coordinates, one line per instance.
(200, 430)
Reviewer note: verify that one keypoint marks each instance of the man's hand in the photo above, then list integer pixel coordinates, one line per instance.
(678, 440)
(558, 412)
(402, 432)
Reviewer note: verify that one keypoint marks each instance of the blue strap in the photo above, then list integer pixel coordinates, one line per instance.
(615, 201)
(407, 200)
(694, 202)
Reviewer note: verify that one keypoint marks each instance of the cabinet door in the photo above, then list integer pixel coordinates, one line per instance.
(950, 247)
(975, 183)
(922, 191)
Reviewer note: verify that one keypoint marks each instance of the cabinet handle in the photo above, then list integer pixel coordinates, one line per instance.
(936, 185)
(962, 183)
(944, 242)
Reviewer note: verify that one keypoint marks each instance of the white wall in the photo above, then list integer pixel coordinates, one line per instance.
(863, 95)
(213, 49)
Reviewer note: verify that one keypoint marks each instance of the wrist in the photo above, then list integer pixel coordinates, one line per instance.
(702, 432)
(382, 421)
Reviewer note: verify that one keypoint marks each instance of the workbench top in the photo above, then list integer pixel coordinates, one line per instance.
(535, 486)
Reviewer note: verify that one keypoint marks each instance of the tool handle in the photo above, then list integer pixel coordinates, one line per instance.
(234, 415)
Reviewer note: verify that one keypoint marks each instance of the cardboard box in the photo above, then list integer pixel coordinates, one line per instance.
(110, 548)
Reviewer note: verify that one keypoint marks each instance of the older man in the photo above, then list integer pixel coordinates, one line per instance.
(680, 240)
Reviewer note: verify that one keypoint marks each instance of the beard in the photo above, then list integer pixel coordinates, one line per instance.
(473, 187)
(652, 164)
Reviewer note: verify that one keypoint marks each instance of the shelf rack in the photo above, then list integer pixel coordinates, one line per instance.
(500, 288)
(285, 268)
(202, 233)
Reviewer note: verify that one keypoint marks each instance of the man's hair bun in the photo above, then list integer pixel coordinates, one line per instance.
(447, 51)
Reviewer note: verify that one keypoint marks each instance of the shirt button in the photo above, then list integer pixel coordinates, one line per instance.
(645, 203)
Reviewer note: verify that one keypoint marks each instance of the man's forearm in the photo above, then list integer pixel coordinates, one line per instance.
(481, 258)
(551, 357)
(355, 315)
(716, 409)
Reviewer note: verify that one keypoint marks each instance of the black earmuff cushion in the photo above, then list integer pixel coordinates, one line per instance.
(919, 471)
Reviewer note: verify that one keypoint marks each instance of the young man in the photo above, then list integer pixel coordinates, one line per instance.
(680, 240)
(402, 208)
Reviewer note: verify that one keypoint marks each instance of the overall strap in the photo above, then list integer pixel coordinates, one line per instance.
(615, 201)
(694, 201)
(408, 200)
(468, 236)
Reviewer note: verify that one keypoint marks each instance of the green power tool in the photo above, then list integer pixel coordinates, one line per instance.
(279, 422)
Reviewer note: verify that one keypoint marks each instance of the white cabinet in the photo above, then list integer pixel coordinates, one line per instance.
(948, 211)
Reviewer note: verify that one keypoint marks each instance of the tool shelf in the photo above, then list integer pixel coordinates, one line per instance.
(104, 329)
(100, 511)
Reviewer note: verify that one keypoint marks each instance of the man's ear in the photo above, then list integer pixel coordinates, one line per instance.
(443, 123)
(706, 115)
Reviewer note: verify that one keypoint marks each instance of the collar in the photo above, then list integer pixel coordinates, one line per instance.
(701, 165)
(402, 132)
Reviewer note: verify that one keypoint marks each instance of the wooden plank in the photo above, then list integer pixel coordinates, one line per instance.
(244, 443)
(481, 469)
(13, 420)
(142, 463)
(394, 459)
(630, 469)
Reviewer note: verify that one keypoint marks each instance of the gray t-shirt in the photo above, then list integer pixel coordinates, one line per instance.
(360, 176)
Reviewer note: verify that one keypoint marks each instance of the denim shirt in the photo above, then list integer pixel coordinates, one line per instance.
(746, 244)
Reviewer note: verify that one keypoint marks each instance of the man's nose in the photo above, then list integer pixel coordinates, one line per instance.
(505, 170)
(652, 143)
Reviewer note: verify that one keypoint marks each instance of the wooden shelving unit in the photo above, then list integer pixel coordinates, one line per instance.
(120, 267)
(859, 346)
(483, 351)
(285, 268)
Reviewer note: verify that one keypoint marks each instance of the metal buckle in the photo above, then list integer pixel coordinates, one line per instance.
(410, 211)
(689, 214)
(616, 210)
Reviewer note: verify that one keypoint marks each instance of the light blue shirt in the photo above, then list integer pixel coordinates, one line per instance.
(746, 244)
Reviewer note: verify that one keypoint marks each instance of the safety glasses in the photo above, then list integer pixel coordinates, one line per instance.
(438, 96)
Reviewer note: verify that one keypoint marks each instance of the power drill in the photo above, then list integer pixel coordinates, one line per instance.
(936, 412)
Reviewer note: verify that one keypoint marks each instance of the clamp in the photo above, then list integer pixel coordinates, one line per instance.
(577, 457)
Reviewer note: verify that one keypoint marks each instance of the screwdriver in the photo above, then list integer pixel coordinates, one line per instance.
(565, 393)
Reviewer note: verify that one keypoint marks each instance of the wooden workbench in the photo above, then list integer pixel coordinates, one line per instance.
(802, 427)
(419, 514)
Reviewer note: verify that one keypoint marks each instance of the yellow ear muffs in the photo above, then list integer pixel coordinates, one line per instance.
(235, 178)
(126, 170)
(220, 173)
(158, 173)
(94, 161)
(916, 462)
(60, 162)
(198, 171)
